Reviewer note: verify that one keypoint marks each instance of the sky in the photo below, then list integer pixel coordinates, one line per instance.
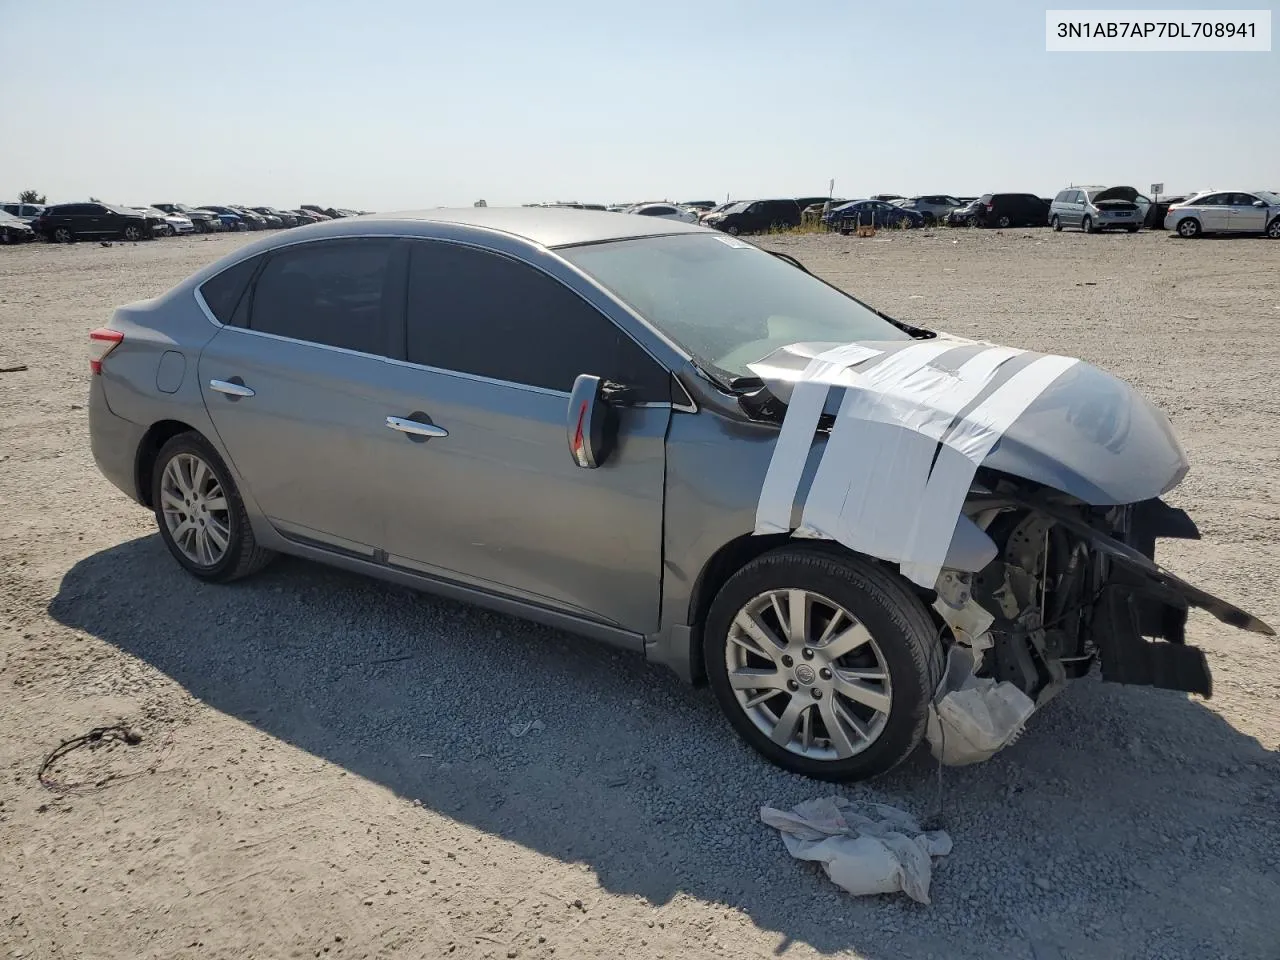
(406, 104)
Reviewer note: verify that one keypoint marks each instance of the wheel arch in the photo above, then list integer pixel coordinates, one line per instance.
(157, 435)
(736, 554)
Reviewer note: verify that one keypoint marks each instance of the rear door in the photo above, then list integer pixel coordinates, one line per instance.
(493, 347)
(294, 385)
(1215, 213)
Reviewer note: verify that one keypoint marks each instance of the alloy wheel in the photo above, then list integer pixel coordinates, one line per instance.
(62, 235)
(808, 674)
(195, 510)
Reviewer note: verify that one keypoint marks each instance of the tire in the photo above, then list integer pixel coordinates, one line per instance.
(5, 236)
(1055, 223)
(169, 231)
(1003, 222)
(1188, 228)
(732, 230)
(903, 645)
(1273, 229)
(241, 556)
(63, 235)
(1087, 224)
(132, 233)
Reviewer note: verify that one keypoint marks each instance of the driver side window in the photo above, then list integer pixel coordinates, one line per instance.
(477, 312)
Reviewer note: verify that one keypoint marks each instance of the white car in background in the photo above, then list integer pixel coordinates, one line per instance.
(666, 211)
(1226, 211)
(174, 222)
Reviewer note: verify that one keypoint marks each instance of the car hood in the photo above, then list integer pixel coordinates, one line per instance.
(1088, 434)
(1117, 193)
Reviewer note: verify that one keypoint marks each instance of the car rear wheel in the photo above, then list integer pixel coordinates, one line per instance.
(1055, 223)
(823, 662)
(201, 517)
(1188, 228)
(1273, 229)
(1003, 222)
(63, 235)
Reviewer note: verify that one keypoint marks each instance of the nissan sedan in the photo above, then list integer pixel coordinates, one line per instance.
(664, 438)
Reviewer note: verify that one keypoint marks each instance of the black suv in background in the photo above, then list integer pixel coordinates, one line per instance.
(1003, 210)
(755, 216)
(65, 222)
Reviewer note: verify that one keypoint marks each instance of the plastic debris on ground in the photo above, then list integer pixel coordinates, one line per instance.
(865, 848)
(973, 717)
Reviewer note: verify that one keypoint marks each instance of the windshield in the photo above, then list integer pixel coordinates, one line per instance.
(7, 217)
(726, 302)
(1271, 198)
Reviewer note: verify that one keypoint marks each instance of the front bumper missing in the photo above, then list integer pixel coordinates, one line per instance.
(1139, 615)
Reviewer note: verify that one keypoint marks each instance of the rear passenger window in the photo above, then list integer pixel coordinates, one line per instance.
(224, 292)
(329, 293)
(476, 312)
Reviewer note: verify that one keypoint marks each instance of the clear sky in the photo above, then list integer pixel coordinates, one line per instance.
(400, 104)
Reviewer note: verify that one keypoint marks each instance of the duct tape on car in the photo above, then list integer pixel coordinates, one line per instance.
(909, 435)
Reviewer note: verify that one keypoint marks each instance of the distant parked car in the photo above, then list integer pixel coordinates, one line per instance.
(230, 219)
(304, 217)
(1226, 211)
(14, 229)
(870, 213)
(754, 216)
(1004, 210)
(171, 224)
(1096, 208)
(65, 222)
(933, 207)
(666, 211)
(26, 212)
(256, 221)
(203, 221)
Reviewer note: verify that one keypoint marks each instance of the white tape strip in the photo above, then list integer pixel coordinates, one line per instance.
(874, 471)
(791, 451)
(963, 451)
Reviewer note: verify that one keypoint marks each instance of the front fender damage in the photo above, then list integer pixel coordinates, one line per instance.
(1020, 490)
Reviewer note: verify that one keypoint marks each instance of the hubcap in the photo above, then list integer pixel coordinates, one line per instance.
(195, 510)
(808, 674)
(1188, 228)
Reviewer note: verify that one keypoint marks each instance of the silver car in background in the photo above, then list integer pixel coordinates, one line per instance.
(559, 414)
(1226, 211)
(1093, 209)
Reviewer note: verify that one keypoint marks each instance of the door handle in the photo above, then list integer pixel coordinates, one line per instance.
(416, 427)
(230, 389)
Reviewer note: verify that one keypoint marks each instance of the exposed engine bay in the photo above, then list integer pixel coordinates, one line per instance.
(1074, 585)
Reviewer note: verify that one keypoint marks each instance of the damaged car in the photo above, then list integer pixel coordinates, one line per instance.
(1093, 209)
(843, 523)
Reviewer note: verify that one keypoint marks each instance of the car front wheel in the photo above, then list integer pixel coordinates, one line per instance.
(201, 517)
(823, 662)
(1273, 229)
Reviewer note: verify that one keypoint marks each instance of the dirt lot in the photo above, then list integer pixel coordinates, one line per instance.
(328, 766)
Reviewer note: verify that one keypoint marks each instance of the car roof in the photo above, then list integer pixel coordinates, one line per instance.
(546, 226)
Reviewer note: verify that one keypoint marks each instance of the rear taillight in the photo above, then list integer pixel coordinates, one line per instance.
(991, 205)
(101, 342)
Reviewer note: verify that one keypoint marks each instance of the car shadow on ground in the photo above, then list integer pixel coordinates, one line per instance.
(1148, 800)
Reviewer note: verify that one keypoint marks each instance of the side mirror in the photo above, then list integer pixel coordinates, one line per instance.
(591, 422)
(1259, 203)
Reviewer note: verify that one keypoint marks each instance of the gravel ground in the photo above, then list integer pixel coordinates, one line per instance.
(328, 764)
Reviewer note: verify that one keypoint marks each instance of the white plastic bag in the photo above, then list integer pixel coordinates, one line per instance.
(971, 718)
(864, 848)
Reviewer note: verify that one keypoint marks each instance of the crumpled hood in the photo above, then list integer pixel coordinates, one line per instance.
(1088, 434)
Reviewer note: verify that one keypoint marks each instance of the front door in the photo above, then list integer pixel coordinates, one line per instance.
(295, 390)
(1243, 216)
(495, 500)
